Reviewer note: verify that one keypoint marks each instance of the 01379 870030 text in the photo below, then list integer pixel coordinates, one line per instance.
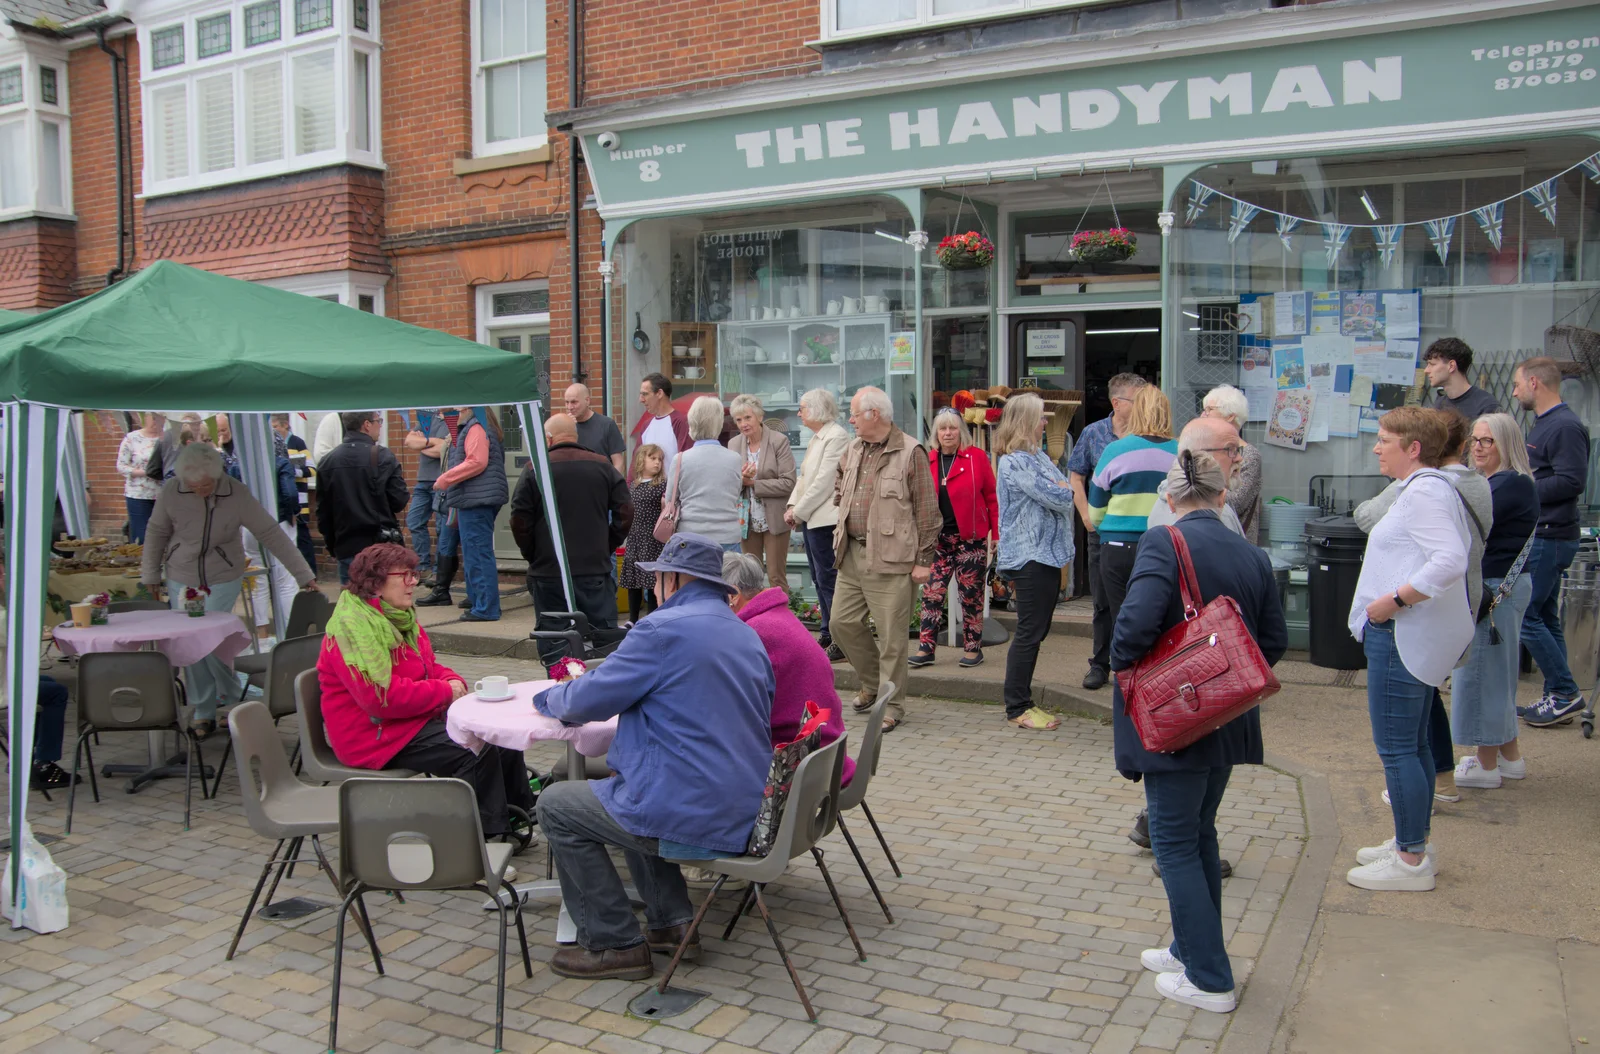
(1540, 64)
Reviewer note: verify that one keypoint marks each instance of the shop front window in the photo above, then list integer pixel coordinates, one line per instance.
(1316, 284)
(1043, 259)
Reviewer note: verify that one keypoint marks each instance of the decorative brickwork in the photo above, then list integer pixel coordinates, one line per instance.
(38, 262)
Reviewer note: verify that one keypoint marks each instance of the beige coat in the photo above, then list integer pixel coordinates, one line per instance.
(896, 535)
(812, 499)
(197, 539)
(774, 475)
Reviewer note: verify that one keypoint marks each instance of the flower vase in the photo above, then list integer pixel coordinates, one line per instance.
(195, 608)
(99, 614)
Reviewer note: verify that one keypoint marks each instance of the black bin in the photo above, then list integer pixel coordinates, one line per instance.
(1334, 548)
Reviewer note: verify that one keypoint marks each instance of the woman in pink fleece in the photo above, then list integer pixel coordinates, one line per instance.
(803, 671)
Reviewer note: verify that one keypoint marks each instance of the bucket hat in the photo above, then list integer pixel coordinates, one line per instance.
(691, 554)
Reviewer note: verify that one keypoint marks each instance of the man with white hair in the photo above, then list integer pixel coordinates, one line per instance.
(889, 524)
(597, 433)
(1215, 436)
(1244, 485)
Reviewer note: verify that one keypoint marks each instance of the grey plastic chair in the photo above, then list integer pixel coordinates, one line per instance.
(130, 691)
(280, 807)
(317, 759)
(807, 817)
(308, 616)
(404, 835)
(855, 795)
(288, 660)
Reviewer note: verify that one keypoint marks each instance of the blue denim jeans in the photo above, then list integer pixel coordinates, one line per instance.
(139, 510)
(1399, 707)
(50, 726)
(579, 831)
(449, 533)
(1541, 625)
(417, 516)
(1183, 835)
(477, 554)
(819, 556)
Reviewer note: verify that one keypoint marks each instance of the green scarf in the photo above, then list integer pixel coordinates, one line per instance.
(369, 639)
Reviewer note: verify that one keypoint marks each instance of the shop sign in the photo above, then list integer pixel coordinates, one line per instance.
(1461, 74)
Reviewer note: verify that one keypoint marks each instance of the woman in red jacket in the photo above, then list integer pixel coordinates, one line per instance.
(971, 523)
(384, 695)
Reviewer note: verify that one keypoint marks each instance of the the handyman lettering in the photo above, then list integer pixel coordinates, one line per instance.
(1197, 98)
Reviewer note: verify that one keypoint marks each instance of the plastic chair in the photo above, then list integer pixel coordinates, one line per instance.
(279, 806)
(308, 616)
(807, 817)
(130, 692)
(404, 835)
(287, 661)
(855, 795)
(117, 607)
(317, 759)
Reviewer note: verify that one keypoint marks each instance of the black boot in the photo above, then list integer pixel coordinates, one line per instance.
(441, 587)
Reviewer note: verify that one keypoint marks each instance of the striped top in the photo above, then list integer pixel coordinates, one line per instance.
(1123, 489)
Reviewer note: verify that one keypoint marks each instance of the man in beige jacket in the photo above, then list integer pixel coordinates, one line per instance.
(811, 504)
(888, 526)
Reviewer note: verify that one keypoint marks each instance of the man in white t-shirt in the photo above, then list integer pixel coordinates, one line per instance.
(661, 424)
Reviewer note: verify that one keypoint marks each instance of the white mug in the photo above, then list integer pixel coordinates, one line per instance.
(834, 306)
(493, 688)
(694, 372)
(755, 314)
(852, 305)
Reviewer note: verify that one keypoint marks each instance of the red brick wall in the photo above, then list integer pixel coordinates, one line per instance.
(38, 262)
(94, 176)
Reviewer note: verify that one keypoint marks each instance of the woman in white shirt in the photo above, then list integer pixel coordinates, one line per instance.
(1412, 617)
(811, 504)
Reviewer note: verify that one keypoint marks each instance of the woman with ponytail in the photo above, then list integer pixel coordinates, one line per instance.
(1183, 789)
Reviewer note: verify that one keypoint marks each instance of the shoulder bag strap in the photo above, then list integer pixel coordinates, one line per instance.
(677, 476)
(1510, 580)
(1188, 584)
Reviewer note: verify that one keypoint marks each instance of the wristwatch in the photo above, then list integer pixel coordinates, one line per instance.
(1398, 602)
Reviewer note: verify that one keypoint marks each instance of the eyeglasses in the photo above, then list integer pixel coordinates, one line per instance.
(1233, 450)
(411, 577)
(1483, 440)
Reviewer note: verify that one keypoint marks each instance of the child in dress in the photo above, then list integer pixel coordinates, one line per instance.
(649, 487)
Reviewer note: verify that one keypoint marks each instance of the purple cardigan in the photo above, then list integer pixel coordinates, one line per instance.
(802, 670)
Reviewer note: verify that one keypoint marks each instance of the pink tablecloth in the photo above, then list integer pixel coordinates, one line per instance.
(515, 724)
(180, 638)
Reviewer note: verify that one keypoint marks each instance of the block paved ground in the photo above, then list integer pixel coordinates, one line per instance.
(1019, 923)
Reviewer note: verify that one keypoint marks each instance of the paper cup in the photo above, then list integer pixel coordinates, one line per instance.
(81, 615)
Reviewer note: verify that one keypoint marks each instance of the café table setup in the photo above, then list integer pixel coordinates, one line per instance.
(183, 638)
(500, 712)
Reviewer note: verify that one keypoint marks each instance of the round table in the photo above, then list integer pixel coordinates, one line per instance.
(513, 723)
(183, 639)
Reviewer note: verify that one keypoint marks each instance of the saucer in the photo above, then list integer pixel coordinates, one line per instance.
(495, 698)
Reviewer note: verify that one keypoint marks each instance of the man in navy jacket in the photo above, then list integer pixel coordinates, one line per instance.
(1558, 451)
(692, 689)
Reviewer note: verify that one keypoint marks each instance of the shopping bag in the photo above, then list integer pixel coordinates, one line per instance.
(786, 759)
(43, 893)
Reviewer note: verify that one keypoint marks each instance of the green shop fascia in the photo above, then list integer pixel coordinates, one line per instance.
(1417, 168)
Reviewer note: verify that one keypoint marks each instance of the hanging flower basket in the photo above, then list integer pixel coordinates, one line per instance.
(1110, 246)
(965, 252)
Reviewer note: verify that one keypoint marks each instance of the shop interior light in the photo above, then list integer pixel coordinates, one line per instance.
(891, 237)
(1191, 314)
(1112, 332)
(1367, 203)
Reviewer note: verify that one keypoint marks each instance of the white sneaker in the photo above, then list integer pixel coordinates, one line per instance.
(510, 875)
(1389, 872)
(1431, 809)
(1160, 960)
(1178, 988)
(1375, 852)
(1469, 773)
(1513, 770)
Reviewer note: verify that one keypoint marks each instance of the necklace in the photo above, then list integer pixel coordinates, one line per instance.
(947, 465)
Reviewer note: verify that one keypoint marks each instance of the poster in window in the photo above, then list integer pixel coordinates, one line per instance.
(1289, 366)
(1325, 313)
(1290, 422)
(1359, 316)
(902, 352)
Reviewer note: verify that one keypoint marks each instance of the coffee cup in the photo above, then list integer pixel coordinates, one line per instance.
(493, 688)
(694, 373)
(834, 306)
(82, 615)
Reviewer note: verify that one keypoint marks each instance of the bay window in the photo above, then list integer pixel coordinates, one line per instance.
(257, 89)
(35, 131)
(859, 18)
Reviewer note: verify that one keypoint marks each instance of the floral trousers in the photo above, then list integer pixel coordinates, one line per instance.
(968, 563)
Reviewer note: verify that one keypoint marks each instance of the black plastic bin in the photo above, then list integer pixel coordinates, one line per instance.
(1334, 549)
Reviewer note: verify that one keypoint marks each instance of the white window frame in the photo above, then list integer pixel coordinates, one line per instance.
(481, 147)
(35, 113)
(347, 286)
(926, 19)
(341, 37)
(488, 322)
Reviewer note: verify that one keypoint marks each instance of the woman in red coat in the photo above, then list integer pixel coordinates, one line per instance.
(971, 523)
(384, 695)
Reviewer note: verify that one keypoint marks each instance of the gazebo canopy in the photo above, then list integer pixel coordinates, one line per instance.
(179, 337)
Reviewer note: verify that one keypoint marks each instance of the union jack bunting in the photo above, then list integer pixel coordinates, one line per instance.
(1286, 226)
(1591, 167)
(1243, 213)
(1440, 233)
(1490, 218)
(1334, 237)
(1388, 239)
(1200, 197)
(1544, 199)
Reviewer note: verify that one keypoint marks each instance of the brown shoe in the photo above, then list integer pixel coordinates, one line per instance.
(665, 942)
(627, 964)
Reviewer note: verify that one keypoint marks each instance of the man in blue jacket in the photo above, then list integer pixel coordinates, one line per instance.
(692, 689)
(1558, 452)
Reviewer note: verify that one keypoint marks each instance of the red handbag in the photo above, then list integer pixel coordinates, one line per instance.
(1201, 674)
